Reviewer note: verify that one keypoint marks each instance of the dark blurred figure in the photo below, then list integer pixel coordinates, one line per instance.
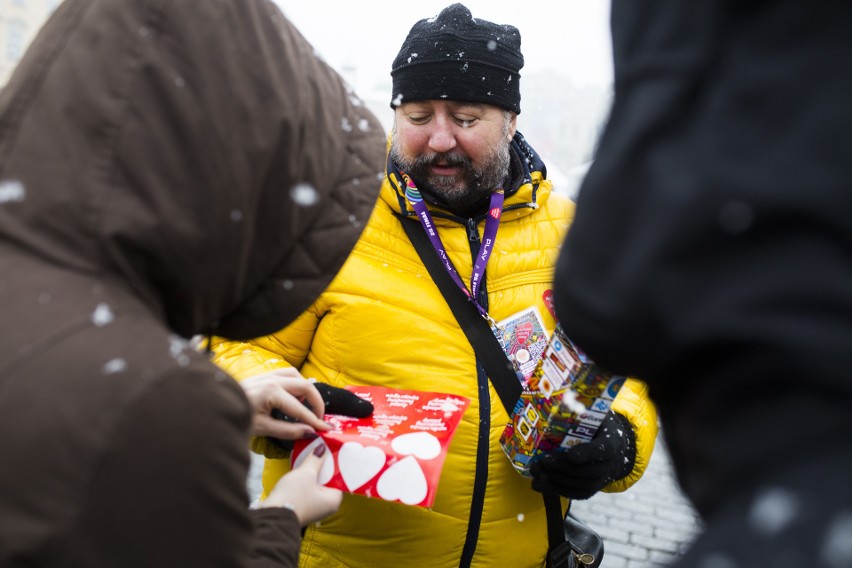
(712, 255)
(167, 169)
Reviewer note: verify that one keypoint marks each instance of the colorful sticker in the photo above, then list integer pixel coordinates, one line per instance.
(563, 403)
(524, 339)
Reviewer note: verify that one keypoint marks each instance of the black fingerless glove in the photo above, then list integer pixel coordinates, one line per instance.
(337, 401)
(585, 469)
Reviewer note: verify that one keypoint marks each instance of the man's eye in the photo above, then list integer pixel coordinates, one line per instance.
(465, 122)
(418, 119)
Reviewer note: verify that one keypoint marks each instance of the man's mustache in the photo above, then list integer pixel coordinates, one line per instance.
(443, 159)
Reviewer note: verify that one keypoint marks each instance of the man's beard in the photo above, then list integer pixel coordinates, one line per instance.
(463, 194)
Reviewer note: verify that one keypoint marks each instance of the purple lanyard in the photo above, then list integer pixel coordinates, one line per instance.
(489, 236)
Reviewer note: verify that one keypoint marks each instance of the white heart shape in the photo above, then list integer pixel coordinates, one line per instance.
(358, 464)
(326, 469)
(420, 444)
(403, 481)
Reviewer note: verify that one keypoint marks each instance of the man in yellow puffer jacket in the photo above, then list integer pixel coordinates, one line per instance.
(382, 321)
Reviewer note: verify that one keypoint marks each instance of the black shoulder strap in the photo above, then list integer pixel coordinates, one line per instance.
(500, 370)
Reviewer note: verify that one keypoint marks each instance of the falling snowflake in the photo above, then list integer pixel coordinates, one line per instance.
(304, 194)
(177, 349)
(11, 190)
(177, 345)
(102, 315)
(773, 510)
(116, 365)
(837, 547)
(236, 215)
(570, 402)
(716, 560)
(346, 125)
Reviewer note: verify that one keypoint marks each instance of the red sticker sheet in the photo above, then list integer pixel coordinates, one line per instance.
(396, 454)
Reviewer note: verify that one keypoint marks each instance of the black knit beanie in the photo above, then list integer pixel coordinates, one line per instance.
(459, 58)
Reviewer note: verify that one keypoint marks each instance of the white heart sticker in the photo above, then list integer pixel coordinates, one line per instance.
(420, 444)
(326, 470)
(358, 464)
(403, 481)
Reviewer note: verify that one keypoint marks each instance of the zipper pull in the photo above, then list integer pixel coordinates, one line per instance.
(472, 232)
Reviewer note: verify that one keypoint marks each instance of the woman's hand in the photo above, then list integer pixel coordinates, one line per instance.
(287, 391)
(300, 491)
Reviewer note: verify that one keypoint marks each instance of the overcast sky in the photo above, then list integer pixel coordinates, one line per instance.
(569, 36)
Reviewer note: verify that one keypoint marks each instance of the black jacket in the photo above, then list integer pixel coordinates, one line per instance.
(711, 253)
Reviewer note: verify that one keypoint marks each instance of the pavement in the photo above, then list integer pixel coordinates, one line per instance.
(647, 526)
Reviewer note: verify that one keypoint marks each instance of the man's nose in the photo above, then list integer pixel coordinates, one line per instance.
(442, 138)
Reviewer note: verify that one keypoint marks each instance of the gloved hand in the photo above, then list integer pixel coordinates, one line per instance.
(585, 469)
(343, 402)
(337, 401)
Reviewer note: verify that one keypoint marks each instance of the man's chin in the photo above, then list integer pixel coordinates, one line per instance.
(451, 196)
(447, 187)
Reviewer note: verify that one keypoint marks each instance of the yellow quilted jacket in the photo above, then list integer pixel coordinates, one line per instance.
(382, 321)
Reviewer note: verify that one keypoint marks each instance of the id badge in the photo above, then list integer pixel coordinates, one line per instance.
(523, 338)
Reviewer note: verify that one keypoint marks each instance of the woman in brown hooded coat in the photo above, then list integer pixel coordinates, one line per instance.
(167, 169)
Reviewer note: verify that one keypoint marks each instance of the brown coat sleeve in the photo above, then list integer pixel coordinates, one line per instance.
(277, 537)
(171, 490)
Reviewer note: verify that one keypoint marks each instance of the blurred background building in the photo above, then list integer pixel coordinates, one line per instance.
(566, 86)
(20, 20)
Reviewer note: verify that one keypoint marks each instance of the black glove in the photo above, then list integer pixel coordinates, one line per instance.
(337, 401)
(343, 402)
(585, 469)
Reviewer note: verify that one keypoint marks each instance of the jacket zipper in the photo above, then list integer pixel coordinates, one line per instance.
(480, 478)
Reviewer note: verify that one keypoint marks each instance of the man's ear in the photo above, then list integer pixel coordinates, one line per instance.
(513, 126)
